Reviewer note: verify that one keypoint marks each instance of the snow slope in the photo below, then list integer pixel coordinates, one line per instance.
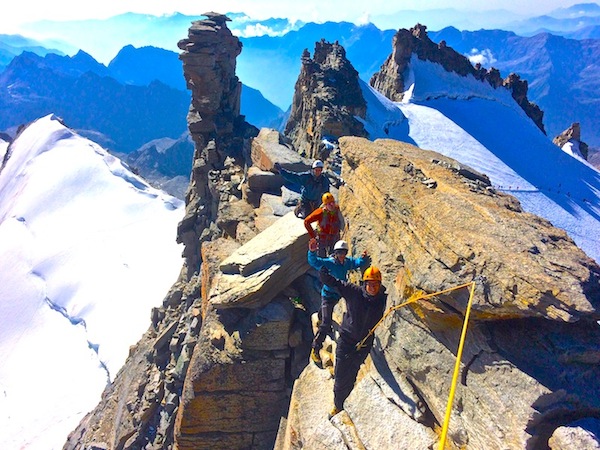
(484, 128)
(86, 250)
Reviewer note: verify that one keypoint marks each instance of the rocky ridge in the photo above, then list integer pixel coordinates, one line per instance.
(424, 226)
(389, 80)
(224, 363)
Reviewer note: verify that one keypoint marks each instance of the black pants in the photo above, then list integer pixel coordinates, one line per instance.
(325, 244)
(305, 207)
(347, 364)
(326, 317)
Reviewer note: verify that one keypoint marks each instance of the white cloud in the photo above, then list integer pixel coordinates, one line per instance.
(364, 19)
(484, 57)
(259, 29)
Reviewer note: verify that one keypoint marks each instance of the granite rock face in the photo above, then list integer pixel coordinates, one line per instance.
(327, 98)
(453, 233)
(530, 362)
(390, 78)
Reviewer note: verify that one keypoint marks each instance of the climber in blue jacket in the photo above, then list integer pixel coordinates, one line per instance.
(338, 265)
(314, 183)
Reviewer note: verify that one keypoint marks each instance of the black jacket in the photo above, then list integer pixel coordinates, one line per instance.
(363, 311)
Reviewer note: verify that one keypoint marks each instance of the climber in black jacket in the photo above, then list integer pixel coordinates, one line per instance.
(365, 305)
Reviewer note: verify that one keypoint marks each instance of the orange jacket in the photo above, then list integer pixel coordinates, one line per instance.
(328, 222)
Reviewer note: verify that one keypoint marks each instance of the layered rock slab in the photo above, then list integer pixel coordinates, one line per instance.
(236, 387)
(529, 363)
(262, 267)
(448, 226)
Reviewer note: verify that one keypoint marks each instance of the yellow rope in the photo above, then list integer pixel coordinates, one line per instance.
(419, 295)
(442, 445)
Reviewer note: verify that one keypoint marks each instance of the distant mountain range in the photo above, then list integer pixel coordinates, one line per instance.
(139, 97)
(13, 45)
(110, 35)
(562, 72)
(79, 90)
(141, 30)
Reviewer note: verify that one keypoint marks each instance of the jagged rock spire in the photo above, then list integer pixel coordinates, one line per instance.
(209, 61)
(326, 99)
(390, 78)
(573, 135)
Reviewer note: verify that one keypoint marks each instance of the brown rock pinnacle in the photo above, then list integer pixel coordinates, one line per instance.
(326, 100)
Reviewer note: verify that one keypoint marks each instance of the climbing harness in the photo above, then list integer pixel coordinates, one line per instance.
(420, 295)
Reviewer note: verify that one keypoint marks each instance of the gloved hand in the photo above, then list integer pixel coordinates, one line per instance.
(324, 270)
(366, 259)
(276, 167)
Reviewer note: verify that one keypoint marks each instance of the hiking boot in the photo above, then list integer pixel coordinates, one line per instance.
(333, 412)
(315, 356)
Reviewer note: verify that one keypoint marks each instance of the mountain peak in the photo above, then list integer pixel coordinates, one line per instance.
(327, 99)
(390, 80)
(575, 11)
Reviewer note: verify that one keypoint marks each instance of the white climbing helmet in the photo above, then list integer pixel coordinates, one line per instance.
(318, 164)
(340, 245)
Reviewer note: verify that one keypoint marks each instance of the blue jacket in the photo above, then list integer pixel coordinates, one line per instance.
(339, 271)
(312, 188)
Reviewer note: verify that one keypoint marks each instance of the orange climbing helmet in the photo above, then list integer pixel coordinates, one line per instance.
(328, 198)
(372, 274)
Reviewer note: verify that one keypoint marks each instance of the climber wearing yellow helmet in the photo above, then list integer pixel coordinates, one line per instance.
(329, 221)
(365, 306)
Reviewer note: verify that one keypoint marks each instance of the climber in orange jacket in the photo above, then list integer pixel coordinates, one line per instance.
(329, 221)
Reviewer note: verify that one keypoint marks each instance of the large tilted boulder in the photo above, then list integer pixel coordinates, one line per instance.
(263, 267)
(530, 361)
(270, 147)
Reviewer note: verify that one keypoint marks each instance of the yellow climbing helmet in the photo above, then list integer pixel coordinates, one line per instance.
(327, 198)
(372, 274)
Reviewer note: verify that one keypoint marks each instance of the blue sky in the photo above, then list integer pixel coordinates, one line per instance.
(306, 10)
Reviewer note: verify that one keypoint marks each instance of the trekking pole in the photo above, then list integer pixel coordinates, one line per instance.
(456, 370)
(419, 295)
